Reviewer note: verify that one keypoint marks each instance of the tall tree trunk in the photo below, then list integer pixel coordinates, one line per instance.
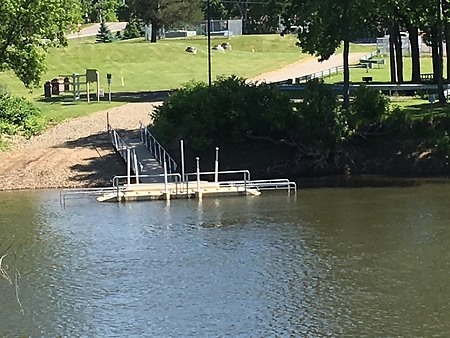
(435, 54)
(415, 52)
(447, 47)
(446, 12)
(154, 35)
(441, 96)
(346, 89)
(398, 52)
(346, 34)
(392, 53)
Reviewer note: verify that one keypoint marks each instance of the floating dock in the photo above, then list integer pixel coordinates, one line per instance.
(159, 191)
(151, 175)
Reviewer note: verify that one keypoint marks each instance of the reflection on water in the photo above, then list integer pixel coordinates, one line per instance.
(333, 262)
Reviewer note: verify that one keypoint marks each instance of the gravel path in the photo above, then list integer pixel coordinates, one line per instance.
(74, 153)
(305, 67)
(77, 152)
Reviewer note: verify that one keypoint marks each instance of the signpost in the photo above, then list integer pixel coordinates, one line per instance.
(108, 79)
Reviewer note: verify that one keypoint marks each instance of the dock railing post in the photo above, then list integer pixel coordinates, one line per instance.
(216, 166)
(136, 167)
(199, 194)
(166, 185)
(182, 159)
(128, 166)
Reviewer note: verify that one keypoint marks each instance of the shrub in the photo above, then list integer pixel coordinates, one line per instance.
(225, 113)
(322, 122)
(442, 143)
(18, 115)
(368, 106)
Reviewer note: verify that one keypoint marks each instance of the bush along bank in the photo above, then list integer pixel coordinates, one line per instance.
(17, 117)
(257, 127)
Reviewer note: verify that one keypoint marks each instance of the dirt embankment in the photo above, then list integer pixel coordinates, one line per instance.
(74, 153)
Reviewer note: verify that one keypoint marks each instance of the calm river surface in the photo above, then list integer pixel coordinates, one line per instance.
(342, 262)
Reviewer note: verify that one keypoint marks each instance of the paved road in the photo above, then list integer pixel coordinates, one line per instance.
(305, 67)
(92, 30)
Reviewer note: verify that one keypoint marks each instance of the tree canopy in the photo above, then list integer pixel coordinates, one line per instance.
(165, 12)
(28, 28)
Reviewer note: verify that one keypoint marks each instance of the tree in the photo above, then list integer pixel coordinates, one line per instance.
(98, 10)
(104, 34)
(165, 12)
(131, 31)
(326, 24)
(28, 28)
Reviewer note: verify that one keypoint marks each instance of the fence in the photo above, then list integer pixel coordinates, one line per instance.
(326, 72)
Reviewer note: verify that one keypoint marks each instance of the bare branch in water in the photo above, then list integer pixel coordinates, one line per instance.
(5, 275)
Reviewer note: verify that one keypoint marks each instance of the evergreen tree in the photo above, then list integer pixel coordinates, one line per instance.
(131, 31)
(104, 34)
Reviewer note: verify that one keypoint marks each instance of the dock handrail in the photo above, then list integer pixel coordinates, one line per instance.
(123, 148)
(270, 184)
(83, 192)
(157, 150)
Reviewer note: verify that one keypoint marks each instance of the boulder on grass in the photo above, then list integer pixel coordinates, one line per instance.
(218, 47)
(191, 49)
(226, 45)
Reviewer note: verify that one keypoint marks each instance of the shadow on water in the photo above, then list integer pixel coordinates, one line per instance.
(365, 181)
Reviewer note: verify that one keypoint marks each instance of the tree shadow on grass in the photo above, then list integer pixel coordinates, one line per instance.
(136, 96)
(427, 109)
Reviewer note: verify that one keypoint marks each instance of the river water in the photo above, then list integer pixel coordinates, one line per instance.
(343, 262)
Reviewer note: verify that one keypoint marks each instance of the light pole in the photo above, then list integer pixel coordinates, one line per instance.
(208, 32)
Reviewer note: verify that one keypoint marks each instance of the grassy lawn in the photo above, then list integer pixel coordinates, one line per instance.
(164, 65)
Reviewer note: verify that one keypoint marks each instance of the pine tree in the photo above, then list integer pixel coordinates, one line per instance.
(104, 34)
(131, 31)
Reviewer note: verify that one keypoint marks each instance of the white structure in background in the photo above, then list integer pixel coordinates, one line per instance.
(148, 32)
(179, 34)
(221, 27)
(383, 44)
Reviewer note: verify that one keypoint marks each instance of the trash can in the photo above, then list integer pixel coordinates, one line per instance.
(57, 86)
(67, 83)
(47, 89)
